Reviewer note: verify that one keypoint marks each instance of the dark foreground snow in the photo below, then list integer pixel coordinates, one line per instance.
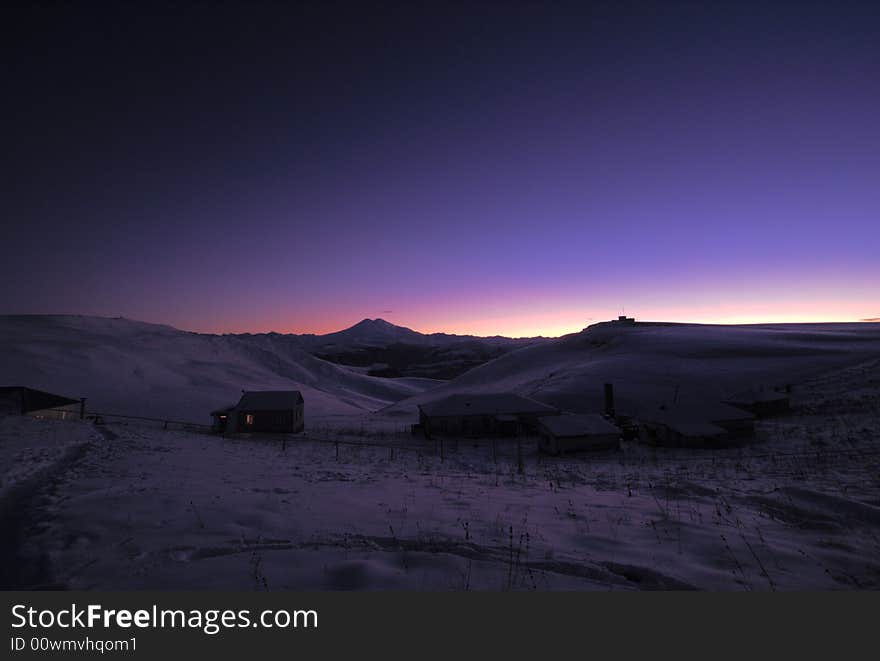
(799, 509)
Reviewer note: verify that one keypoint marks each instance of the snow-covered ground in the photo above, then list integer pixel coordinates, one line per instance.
(129, 506)
(32, 447)
(798, 509)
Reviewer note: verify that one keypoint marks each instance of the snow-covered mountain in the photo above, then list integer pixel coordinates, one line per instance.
(136, 368)
(380, 333)
(381, 348)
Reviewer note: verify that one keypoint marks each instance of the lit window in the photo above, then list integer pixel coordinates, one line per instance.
(249, 419)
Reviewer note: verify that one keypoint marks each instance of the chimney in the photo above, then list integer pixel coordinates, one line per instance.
(609, 400)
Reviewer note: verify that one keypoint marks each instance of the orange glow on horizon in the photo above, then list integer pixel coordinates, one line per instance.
(552, 323)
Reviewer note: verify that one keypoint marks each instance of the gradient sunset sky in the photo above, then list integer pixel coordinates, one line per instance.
(510, 168)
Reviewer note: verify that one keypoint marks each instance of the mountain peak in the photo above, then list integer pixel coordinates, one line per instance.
(374, 323)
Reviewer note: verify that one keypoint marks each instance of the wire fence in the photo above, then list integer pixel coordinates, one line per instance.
(474, 453)
(102, 417)
(164, 423)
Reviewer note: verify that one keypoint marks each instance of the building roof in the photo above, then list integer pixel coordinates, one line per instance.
(502, 403)
(755, 396)
(269, 400)
(570, 425)
(697, 429)
(694, 411)
(225, 410)
(31, 399)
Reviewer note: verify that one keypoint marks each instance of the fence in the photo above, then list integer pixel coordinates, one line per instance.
(163, 423)
(475, 453)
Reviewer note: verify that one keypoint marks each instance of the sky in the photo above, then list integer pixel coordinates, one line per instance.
(491, 168)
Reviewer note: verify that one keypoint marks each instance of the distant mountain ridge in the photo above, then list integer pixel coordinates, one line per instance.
(385, 349)
(381, 333)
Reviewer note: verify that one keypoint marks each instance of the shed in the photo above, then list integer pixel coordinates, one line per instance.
(570, 432)
(695, 424)
(763, 403)
(272, 411)
(220, 417)
(673, 433)
(22, 400)
(482, 414)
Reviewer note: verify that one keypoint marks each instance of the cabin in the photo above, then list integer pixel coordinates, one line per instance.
(696, 424)
(482, 414)
(571, 432)
(21, 400)
(265, 411)
(683, 433)
(763, 403)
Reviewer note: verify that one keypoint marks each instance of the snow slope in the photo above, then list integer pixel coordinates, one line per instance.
(650, 363)
(155, 509)
(135, 368)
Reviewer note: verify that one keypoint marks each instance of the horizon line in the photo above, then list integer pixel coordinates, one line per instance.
(866, 320)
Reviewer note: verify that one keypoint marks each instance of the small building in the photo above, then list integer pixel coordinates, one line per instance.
(696, 424)
(220, 417)
(20, 400)
(763, 403)
(482, 414)
(688, 434)
(623, 319)
(570, 432)
(268, 411)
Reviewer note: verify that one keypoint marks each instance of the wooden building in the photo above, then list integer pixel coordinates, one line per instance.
(696, 424)
(20, 400)
(570, 432)
(268, 411)
(763, 403)
(482, 414)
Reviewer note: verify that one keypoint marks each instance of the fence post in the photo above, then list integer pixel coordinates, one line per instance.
(82, 408)
(337, 450)
(441, 450)
(519, 457)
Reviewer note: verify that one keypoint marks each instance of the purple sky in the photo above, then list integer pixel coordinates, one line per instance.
(496, 168)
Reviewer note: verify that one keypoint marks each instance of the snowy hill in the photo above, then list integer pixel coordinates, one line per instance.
(651, 363)
(135, 368)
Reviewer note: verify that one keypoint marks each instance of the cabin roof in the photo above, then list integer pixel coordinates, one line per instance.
(695, 411)
(755, 396)
(32, 399)
(225, 410)
(269, 400)
(697, 429)
(503, 403)
(571, 425)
